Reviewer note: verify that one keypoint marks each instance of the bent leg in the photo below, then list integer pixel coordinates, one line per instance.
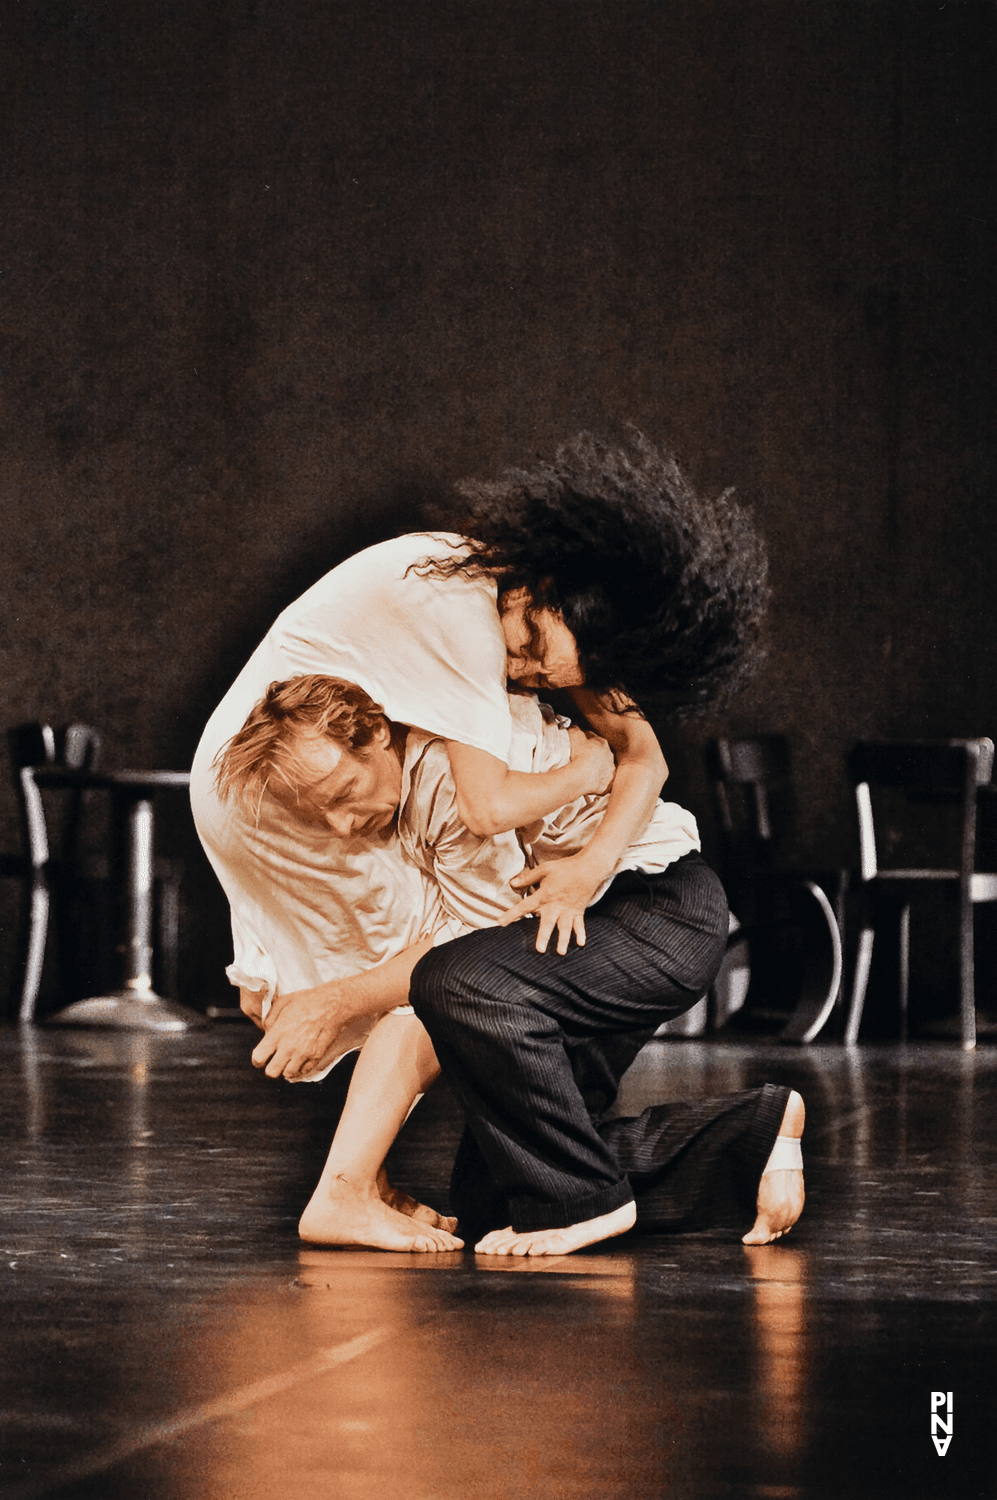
(353, 1204)
(693, 1166)
(697, 1164)
(534, 1044)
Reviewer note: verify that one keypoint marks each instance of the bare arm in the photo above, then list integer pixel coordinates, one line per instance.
(563, 888)
(492, 799)
(641, 772)
(302, 1027)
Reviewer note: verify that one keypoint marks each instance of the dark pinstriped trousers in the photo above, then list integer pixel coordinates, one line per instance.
(535, 1045)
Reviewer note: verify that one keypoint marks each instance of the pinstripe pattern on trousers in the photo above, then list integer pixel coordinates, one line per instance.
(535, 1045)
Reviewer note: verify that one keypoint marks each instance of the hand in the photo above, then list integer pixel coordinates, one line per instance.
(251, 1005)
(592, 754)
(301, 1031)
(564, 889)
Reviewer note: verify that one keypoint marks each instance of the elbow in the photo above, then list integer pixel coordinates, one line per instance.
(649, 759)
(652, 764)
(483, 824)
(649, 754)
(483, 816)
(637, 745)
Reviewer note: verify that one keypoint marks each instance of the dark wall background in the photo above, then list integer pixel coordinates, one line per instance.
(268, 268)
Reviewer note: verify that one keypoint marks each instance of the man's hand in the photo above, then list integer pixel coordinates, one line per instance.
(564, 888)
(593, 753)
(302, 1027)
(301, 1032)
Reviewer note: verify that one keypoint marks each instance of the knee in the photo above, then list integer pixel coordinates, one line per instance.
(454, 982)
(434, 983)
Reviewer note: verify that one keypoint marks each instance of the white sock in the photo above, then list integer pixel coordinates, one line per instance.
(787, 1155)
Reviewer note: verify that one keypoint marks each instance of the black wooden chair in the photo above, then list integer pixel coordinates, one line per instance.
(917, 815)
(786, 946)
(53, 867)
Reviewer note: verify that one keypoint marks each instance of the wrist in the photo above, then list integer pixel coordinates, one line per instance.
(579, 782)
(592, 865)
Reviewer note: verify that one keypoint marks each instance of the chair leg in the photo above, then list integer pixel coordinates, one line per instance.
(860, 981)
(967, 977)
(169, 934)
(904, 976)
(35, 951)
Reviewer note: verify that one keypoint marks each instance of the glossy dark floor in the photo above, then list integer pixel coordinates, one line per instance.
(165, 1335)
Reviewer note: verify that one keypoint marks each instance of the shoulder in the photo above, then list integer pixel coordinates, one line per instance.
(429, 796)
(410, 556)
(386, 567)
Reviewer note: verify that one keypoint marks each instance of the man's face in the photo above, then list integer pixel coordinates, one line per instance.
(354, 794)
(540, 653)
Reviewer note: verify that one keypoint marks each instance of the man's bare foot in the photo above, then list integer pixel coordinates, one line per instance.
(780, 1192)
(559, 1241)
(411, 1207)
(339, 1214)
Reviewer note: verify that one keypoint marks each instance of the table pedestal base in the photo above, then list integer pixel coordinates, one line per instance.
(128, 1010)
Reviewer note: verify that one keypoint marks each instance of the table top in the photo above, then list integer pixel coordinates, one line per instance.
(135, 780)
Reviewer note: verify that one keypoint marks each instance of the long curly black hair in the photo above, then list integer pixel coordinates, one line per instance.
(663, 589)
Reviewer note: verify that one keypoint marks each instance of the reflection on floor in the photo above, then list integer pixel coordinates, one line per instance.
(166, 1338)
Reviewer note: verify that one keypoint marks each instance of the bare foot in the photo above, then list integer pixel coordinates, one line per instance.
(411, 1207)
(780, 1193)
(559, 1241)
(339, 1214)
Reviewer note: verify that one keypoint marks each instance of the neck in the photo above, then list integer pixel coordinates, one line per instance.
(399, 738)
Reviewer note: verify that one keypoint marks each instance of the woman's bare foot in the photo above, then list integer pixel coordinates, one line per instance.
(411, 1207)
(780, 1192)
(559, 1241)
(340, 1214)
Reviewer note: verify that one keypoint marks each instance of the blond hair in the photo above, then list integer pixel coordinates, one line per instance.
(265, 750)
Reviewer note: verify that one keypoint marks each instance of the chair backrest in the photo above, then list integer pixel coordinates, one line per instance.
(758, 769)
(81, 747)
(925, 773)
(32, 746)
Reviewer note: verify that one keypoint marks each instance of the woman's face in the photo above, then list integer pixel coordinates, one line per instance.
(541, 652)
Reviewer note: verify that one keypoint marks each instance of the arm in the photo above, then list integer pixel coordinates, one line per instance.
(563, 888)
(641, 772)
(471, 873)
(492, 799)
(302, 1027)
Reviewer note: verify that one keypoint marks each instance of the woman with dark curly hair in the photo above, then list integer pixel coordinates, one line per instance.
(616, 581)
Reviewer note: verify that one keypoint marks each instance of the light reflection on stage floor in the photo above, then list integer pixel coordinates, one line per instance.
(167, 1336)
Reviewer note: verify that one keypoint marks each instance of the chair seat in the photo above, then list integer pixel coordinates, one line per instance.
(982, 887)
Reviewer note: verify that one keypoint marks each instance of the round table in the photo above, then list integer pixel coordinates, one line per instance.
(135, 1004)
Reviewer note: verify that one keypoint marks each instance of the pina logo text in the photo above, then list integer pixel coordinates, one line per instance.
(941, 1421)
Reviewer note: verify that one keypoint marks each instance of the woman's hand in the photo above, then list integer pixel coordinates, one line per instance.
(563, 889)
(593, 754)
